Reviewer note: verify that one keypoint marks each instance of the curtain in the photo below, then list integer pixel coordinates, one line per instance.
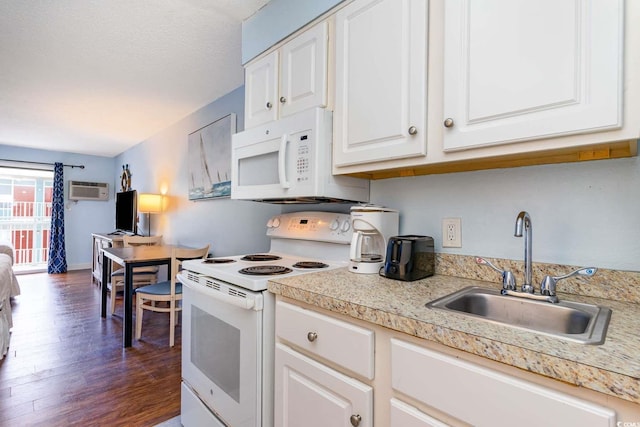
(57, 252)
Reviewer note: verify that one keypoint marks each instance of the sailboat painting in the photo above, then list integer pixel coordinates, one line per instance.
(209, 159)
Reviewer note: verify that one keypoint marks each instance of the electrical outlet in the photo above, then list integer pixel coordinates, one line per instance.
(452, 232)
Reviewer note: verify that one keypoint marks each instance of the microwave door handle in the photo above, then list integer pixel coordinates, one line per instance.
(282, 162)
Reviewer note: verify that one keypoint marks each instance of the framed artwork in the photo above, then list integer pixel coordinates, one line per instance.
(209, 159)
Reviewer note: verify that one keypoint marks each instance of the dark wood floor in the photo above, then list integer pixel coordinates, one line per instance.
(66, 365)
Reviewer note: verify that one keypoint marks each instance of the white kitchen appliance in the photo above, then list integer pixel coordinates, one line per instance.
(372, 227)
(228, 318)
(289, 161)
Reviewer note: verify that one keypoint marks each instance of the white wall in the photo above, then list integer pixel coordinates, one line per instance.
(582, 213)
(229, 226)
(81, 217)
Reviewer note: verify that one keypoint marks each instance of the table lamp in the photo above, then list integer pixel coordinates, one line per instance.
(150, 203)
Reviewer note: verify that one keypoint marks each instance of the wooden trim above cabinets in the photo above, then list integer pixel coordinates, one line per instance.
(614, 150)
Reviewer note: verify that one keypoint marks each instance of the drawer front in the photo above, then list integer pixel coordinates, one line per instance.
(339, 342)
(483, 397)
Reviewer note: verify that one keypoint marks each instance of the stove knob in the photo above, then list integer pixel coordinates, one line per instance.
(334, 225)
(276, 222)
(270, 223)
(346, 225)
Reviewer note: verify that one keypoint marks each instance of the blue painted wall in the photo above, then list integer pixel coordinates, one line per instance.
(276, 20)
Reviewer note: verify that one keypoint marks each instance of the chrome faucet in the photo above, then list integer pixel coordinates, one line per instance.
(523, 221)
(549, 283)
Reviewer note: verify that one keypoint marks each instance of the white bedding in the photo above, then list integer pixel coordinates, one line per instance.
(8, 288)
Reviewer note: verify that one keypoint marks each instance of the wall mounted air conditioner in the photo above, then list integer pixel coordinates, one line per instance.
(80, 190)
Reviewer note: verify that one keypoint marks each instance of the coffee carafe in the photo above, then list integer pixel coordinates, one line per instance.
(372, 227)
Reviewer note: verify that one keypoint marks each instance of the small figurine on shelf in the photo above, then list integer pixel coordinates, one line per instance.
(125, 178)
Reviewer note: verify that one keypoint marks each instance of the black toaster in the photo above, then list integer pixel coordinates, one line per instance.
(409, 258)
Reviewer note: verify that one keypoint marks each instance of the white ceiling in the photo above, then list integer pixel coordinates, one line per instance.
(97, 77)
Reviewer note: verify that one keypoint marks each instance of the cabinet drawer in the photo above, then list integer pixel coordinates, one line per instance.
(483, 397)
(340, 342)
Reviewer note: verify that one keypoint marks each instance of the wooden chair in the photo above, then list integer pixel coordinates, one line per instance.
(169, 291)
(141, 275)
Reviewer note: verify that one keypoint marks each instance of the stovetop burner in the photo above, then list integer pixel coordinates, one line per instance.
(310, 264)
(218, 261)
(265, 270)
(261, 257)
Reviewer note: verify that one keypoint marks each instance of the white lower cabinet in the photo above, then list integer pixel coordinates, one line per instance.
(405, 415)
(319, 388)
(483, 397)
(330, 371)
(310, 394)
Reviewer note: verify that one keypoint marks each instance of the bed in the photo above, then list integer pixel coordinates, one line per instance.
(8, 288)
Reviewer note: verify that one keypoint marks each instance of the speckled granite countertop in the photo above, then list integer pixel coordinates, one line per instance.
(612, 368)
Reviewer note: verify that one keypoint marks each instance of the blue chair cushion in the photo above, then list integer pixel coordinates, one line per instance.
(161, 288)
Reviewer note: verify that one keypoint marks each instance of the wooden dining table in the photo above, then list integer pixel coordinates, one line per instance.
(130, 258)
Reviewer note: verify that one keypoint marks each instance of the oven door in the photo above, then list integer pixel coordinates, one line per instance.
(221, 351)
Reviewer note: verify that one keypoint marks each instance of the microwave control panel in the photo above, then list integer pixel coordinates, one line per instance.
(303, 157)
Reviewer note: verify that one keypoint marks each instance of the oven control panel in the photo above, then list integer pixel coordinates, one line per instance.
(318, 226)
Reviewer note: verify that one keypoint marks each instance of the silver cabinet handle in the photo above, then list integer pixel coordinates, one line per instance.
(448, 122)
(355, 420)
(413, 130)
(283, 99)
(269, 105)
(312, 336)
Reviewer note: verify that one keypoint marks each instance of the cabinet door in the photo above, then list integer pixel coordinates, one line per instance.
(261, 90)
(518, 69)
(381, 58)
(303, 71)
(404, 415)
(310, 394)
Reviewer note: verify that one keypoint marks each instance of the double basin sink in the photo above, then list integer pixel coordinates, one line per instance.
(573, 321)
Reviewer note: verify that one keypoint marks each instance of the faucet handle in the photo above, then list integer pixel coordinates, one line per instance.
(508, 280)
(548, 285)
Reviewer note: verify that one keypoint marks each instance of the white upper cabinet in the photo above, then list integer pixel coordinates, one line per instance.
(261, 90)
(381, 80)
(289, 79)
(303, 71)
(517, 70)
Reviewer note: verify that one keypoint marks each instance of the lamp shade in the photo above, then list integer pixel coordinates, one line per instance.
(150, 203)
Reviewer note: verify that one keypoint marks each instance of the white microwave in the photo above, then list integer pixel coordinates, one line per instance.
(289, 161)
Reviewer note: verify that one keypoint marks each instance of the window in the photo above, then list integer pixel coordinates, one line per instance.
(25, 215)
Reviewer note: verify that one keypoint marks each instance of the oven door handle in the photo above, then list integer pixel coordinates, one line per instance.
(245, 303)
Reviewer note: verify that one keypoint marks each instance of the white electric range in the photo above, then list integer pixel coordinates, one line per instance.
(228, 318)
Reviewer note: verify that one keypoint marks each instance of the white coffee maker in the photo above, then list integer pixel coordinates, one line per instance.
(372, 227)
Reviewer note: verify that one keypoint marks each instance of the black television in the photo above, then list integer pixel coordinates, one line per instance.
(127, 212)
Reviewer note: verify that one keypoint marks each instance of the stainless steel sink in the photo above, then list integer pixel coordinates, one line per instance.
(574, 321)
